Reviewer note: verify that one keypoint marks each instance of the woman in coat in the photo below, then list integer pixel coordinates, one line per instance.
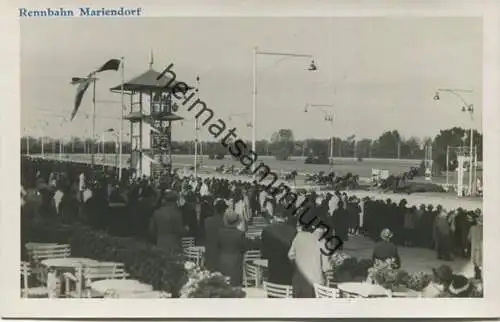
(476, 240)
(232, 245)
(310, 264)
(239, 208)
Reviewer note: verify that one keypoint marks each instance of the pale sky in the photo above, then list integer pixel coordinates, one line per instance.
(379, 73)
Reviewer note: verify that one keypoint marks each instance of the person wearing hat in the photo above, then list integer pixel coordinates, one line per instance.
(460, 233)
(213, 225)
(475, 238)
(425, 230)
(442, 236)
(310, 263)
(166, 227)
(410, 222)
(340, 221)
(441, 279)
(322, 208)
(385, 249)
(354, 211)
(231, 246)
(460, 286)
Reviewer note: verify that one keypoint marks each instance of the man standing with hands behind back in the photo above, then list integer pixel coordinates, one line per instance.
(276, 242)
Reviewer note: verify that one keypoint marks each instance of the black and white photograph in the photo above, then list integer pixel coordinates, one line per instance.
(336, 158)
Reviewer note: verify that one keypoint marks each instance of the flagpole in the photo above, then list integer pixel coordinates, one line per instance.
(92, 130)
(121, 119)
(195, 147)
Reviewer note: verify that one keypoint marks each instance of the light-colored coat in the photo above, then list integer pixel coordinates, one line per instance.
(309, 260)
(476, 241)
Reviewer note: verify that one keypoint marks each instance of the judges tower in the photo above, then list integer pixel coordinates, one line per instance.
(151, 113)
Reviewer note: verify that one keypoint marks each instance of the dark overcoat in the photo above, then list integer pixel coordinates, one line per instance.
(167, 228)
(232, 245)
(212, 227)
(276, 242)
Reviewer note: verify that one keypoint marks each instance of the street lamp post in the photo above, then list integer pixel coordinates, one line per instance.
(42, 145)
(466, 108)
(62, 141)
(328, 118)
(60, 148)
(196, 143)
(196, 129)
(103, 144)
(117, 145)
(117, 137)
(42, 134)
(116, 150)
(196, 134)
(27, 142)
(257, 52)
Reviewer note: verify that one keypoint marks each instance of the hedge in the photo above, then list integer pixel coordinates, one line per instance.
(163, 269)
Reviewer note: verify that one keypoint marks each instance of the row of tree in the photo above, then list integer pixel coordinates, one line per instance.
(282, 145)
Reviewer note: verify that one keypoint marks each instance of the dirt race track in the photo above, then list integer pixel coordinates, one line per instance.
(341, 166)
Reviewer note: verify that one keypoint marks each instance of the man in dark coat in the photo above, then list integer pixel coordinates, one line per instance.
(276, 242)
(143, 212)
(442, 236)
(166, 224)
(213, 225)
(232, 244)
(339, 219)
(353, 210)
(188, 210)
(206, 211)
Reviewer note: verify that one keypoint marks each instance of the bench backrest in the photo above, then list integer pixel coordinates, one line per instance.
(39, 253)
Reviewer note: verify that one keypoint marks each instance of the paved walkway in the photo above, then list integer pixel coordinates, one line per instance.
(413, 259)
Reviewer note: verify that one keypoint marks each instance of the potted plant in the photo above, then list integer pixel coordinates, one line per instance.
(385, 274)
(417, 281)
(205, 284)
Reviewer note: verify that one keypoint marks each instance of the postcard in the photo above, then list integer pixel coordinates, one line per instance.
(250, 160)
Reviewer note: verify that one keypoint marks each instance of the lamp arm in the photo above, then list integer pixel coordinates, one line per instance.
(320, 108)
(456, 94)
(268, 53)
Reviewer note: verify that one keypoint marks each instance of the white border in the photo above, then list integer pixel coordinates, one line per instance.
(13, 306)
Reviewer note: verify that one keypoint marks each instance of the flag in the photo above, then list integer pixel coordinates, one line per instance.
(77, 80)
(112, 64)
(84, 82)
(151, 59)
